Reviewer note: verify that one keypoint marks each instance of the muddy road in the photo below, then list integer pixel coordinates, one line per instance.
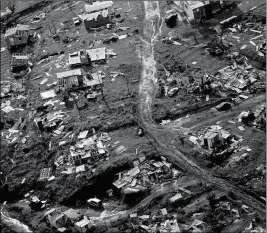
(148, 87)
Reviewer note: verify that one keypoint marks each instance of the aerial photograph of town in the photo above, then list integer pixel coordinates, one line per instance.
(133, 116)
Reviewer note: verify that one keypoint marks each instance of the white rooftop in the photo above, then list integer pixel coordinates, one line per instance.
(97, 54)
(195, 4)
(97, 6)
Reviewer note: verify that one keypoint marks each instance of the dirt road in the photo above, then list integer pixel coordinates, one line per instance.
(152, 29)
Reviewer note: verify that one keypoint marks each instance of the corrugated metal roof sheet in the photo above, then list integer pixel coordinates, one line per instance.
(69, 73)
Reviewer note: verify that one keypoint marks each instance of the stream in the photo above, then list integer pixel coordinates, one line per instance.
(13, 223)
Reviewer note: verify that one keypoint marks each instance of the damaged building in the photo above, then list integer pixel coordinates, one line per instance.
(17, 36)
(198, 10)
(97, 14)
(96, 19)
(97, 54)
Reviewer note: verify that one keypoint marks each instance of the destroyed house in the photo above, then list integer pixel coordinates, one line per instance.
(96, 19)
(70, 79)
(98, 6)
(17, 35)
(78, 58)
(19, 62)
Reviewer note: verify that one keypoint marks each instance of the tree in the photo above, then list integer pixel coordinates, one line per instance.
(11, 4)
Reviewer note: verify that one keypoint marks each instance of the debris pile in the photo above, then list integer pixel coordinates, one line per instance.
(87, 151)
(144, 174)
(217, 46)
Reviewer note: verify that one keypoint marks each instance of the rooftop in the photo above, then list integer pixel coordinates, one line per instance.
(97, 6)
(19, 59)
(195, 4)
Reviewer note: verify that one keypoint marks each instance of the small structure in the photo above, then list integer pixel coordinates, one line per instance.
(16, 36)
(211, 138)
(98, 54)
(82, 226)
(96, 19)
(19, 62)
(98, 6)
(78, 58)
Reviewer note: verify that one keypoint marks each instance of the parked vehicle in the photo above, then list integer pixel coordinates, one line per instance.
(95, 202)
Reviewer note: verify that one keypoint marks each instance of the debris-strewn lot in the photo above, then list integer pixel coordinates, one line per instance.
(213, 83)
(77, 154)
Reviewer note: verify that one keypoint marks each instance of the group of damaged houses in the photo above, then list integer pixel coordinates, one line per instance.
(73, 79)
(97, 14)
(131, 185)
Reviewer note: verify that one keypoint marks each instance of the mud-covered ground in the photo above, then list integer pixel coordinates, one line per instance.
(117, 112)
(202, 205)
